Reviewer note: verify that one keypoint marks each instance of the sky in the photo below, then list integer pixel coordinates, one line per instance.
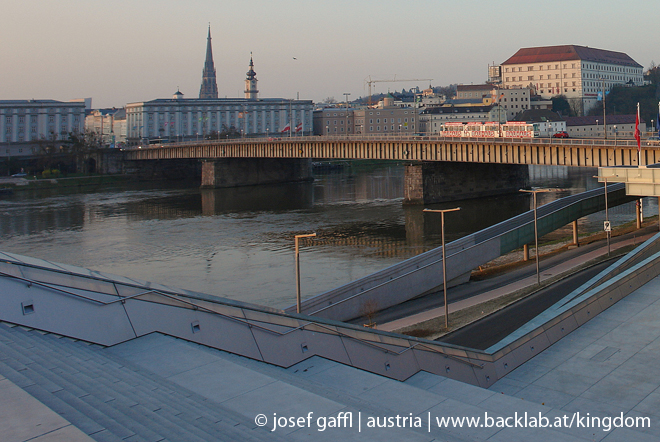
(125, 51)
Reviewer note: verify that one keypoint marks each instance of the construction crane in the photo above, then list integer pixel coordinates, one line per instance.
(369, 81)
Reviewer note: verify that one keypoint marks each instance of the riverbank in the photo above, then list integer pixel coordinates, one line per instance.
(430, 324)
(16, 184)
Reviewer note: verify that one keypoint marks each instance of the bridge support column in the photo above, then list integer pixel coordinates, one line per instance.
(237, 172)
(437, 182)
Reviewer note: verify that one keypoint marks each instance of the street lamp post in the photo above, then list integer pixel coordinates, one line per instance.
(346, 94)
(604, 116)
(536, 231)
(298, 299)
(607, 226)
(444, 264)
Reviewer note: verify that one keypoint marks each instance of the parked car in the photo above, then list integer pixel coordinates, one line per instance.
(561, 134)
(19, 175)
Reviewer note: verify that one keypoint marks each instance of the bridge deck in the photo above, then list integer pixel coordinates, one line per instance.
(540, 151)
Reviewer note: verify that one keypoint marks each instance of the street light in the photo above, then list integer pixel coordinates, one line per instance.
(604, 116)
(536, 231)
(298, 300)
(346, 94)
(606, 226)
(444, 265)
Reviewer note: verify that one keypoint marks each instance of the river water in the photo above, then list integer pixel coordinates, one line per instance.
(238, 243)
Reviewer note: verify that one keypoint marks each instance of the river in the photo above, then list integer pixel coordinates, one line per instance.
(238, 243)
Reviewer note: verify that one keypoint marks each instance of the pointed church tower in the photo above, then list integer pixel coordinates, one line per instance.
(209, 87)
(251, 82)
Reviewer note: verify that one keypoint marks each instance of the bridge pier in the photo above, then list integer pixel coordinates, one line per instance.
(236, 172)
(437, 182)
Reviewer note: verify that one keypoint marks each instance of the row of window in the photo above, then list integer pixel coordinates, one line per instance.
(540, 67)
(609, 68)
(341, 114)
(371, 121)
(177, 109)
(36, 110)
(51, 119)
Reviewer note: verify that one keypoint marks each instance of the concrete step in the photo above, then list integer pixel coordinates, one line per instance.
(318, 385)
(108, 399)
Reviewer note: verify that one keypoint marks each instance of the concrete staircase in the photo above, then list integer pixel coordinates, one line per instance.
(158, 388)
(110, 399)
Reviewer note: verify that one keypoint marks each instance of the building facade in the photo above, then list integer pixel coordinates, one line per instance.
(181, 119)
(23, 123)
(371, 121)
(513, 100)
(618, 126)
(432, 119)
(546, 122)
(578, 72)
(334, 121)
(109, 123)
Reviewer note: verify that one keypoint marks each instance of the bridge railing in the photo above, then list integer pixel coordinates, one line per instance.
(412, 138)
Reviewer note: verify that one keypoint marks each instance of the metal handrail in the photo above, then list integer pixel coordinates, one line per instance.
(572, 198)
(333, 329)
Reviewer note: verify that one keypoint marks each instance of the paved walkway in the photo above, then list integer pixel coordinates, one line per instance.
(24, 418)
(548, 273)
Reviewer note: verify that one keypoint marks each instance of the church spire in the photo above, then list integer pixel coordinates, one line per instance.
(209, 87)
(251, 82)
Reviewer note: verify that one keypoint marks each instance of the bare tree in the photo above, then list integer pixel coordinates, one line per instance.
(81, 144)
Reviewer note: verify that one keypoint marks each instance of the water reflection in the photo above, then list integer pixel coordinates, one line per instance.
(239, 242)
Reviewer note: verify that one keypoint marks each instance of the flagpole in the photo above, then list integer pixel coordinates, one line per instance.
(639, 142)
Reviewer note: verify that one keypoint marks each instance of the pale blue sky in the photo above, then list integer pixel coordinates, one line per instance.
(120, 51)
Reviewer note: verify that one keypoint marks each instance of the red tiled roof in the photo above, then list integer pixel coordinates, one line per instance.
(570, 52)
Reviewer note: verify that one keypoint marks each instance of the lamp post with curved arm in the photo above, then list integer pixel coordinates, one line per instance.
(444, 265)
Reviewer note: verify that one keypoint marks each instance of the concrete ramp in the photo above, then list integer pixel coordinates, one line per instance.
(422, 273)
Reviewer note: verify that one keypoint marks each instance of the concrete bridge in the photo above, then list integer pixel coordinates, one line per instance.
(438, 168)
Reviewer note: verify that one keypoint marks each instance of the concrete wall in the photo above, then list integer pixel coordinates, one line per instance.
(235, 172)
(164, 169)
(107, 310)
(436, 182)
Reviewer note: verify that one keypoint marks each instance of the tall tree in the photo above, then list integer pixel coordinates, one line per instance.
(561, 105)
(80, 144)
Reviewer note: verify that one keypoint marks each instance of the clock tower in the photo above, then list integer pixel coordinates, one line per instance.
(251, 82)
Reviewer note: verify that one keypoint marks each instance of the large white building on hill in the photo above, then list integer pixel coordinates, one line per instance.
(578, 72)
(23, 123)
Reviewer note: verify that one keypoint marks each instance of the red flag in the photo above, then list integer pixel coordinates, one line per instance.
(638, 135)
(298, 127)
(286, 128)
